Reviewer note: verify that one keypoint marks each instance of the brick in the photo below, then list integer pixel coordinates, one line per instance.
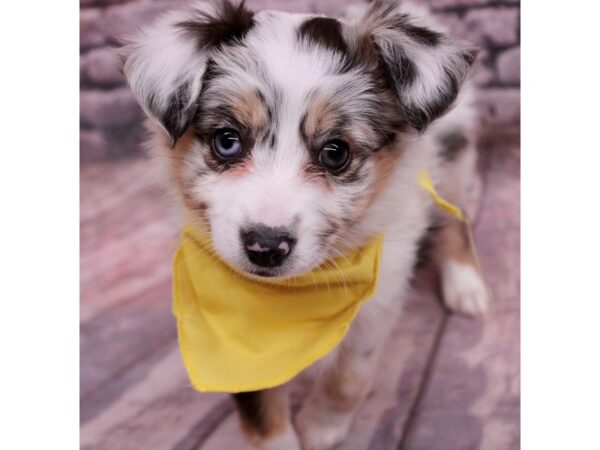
(90, 26)
(123, 20)
(85, 3)
(112, 143)
(301, 6)
(483, 76)
(483, 73)
(92, 146)
(101, 67)
(333, 7)
(508, 65)
(500, 106)
(105, 109)
(489, 27)
(465, 3)
(115, 116)
(298, 6)
(127, 139)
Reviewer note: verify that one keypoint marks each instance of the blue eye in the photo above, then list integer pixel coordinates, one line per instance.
(227, 144)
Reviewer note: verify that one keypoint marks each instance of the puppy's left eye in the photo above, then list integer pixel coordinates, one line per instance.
(227, 144)
(335, 156)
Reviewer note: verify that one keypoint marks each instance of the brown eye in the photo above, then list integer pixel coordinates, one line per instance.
(335, 156)
(227, 144)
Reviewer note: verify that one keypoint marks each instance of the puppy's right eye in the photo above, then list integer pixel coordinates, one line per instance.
(227, 144)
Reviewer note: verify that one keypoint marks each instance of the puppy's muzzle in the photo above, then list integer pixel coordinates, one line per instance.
(266, 246)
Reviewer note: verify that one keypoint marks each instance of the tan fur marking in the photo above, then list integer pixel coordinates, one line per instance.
(454, 243)
(249, 110)
(320, 116)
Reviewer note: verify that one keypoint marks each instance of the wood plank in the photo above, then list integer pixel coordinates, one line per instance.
(127, 237)
(227, 435)
(123, 268)
(128, 234)
(112, 391)
(128, 333)
(118, 339)
(135, 393)
(159, 411)
(472, 398)
(380, 419)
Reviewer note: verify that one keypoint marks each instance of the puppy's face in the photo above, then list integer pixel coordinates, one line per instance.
(286, 127)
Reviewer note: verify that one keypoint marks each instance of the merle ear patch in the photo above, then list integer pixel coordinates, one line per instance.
(398, 68)
(178, 113)
(228, 24)
(325, 32)
(425, 68)
(422, 35)
(166, 63)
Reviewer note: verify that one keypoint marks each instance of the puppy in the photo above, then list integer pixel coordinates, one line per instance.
(315, 128)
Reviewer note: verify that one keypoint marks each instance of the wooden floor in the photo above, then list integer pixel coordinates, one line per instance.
(448, 382)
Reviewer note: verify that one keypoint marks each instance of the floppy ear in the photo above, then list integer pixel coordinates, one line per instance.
(425, 68)
(166, 62)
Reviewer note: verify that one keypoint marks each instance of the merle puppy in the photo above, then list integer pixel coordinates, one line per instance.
(317, 126)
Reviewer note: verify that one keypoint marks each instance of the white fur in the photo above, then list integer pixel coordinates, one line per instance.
(274, 192)
(159, 59)
(463, 289)
(431, 63)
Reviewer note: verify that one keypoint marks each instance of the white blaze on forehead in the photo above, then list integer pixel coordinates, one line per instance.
(275, 191)
(294, 68)
(287, 61)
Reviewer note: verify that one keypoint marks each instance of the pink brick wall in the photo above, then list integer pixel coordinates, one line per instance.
(110, 117)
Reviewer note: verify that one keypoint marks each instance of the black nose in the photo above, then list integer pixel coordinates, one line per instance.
(266, 246)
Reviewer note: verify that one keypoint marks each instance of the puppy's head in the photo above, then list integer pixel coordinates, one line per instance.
(283, 128)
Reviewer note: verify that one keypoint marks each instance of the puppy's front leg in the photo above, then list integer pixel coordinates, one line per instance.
(463, 286)
(265, 419)
(345, 380)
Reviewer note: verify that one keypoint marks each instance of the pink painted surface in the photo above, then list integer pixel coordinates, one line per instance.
(447, 383)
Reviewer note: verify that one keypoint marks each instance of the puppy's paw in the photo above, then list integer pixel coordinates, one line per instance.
(284, 441)
(464, 290)
(322, 430)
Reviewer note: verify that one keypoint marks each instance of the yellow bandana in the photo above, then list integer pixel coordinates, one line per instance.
(237, 334)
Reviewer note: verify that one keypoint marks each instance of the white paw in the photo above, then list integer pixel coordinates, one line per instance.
(284, 441)
(324, 430)
(464, 290)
